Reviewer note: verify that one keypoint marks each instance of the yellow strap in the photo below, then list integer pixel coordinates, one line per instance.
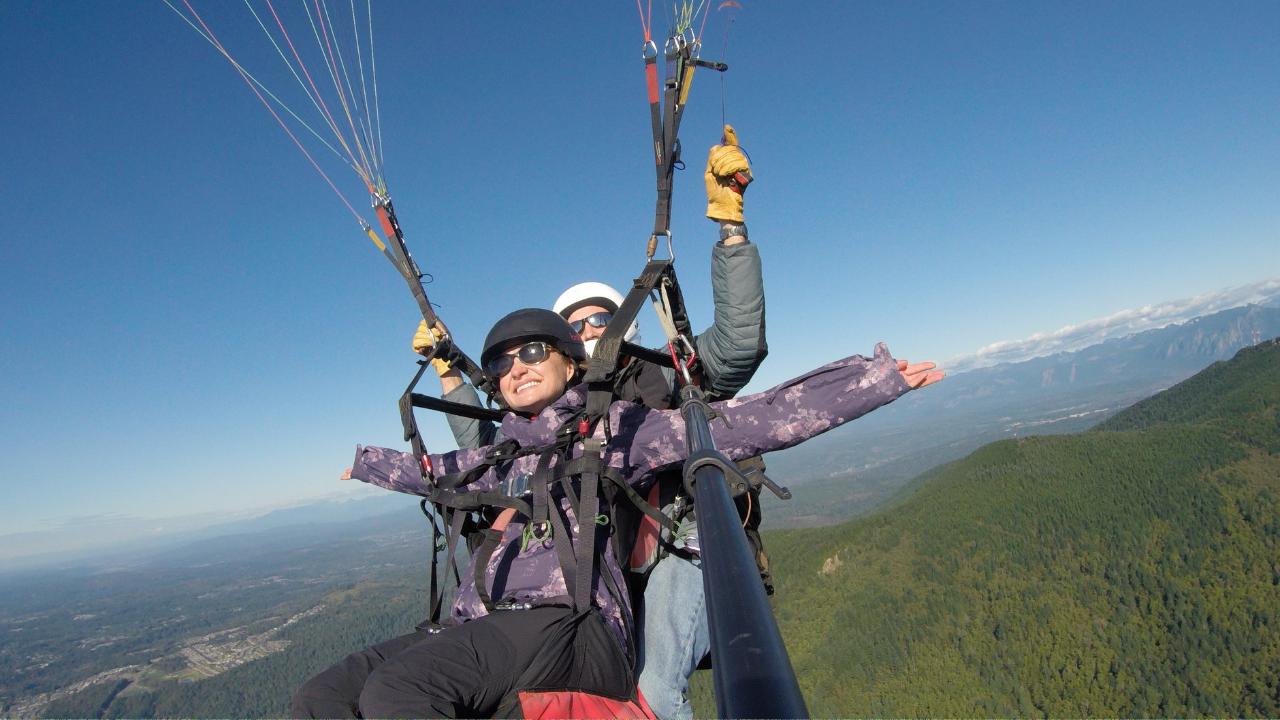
(374, 237)
(687, 82)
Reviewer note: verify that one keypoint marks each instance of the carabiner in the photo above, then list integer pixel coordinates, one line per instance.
(652, 247)
(673, 47)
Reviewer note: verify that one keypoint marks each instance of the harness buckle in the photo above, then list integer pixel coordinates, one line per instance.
(540, 530)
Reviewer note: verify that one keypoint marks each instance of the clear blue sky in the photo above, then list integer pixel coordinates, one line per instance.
(192, 323)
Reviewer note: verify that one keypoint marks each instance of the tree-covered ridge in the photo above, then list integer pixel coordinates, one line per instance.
(1122, 573)
(1225, 391)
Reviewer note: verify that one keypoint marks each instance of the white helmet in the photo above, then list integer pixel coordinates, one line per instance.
(594, 293)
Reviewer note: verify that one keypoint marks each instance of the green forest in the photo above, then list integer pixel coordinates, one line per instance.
(1129, 571)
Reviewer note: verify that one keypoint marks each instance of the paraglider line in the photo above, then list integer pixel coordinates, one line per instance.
(373, 64)
(367, 125)
(323, 107)
(261, 87)
(336, 50)
(267, 105)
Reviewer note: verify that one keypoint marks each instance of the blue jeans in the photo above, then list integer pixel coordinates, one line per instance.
(674, 636)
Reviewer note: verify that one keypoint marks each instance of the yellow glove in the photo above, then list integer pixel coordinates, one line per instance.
(425, 339)
(727, 175)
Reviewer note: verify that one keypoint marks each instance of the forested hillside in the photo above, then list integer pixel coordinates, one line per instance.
(1129, 571)
(855, 469)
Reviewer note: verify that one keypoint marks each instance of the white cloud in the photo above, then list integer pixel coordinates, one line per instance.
(1120, 324)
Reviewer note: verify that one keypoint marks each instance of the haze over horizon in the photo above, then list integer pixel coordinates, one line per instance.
(101, 532)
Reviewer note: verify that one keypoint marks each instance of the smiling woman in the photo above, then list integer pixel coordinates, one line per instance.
(533, 355)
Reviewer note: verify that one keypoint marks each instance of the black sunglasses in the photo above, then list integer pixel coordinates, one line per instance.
(596, 320)
(531, 353)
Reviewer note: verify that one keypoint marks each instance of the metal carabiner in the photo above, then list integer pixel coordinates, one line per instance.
(649, 51)
(673, 46)
(652, 246)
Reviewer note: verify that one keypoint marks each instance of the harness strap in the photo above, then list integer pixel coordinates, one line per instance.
(492, 536)
(434, 616)
(541, 493)
(604, 373)
(564, 547)
(479, 500)
(455, 520)
(498, 454)
(449, 407)
(581, 464)
(398, 253)
(586, 513)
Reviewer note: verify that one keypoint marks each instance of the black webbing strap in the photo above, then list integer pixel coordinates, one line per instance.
(434, 616)
(581, 464)
(541, 492)
(564, 544)
(649, 355)
(449, 407)
(604, 360)
(603, 372)
(398, 253)
(457, 526)
(407, 421)
(668, 135)
(588, 508)
(497, 454)
(455, 522)
(492, 536)
(659, 143)
(534, 512)
(479, 500)
(665, 114)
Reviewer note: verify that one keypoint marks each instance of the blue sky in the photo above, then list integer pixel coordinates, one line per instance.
(193, 325)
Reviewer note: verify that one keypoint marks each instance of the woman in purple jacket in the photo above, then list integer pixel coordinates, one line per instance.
(506, 622)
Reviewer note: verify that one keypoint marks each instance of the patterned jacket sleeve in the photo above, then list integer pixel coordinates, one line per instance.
(397, 470)
(775, 419)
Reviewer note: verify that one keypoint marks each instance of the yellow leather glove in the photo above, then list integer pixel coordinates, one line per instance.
(425, 339)
(726, 176)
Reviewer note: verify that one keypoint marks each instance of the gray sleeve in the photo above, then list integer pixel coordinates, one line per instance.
(734, 346)
(467, 432)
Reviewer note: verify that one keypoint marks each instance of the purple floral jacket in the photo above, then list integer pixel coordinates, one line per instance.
(644, 441)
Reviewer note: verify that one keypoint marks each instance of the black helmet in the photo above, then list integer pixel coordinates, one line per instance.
(532, 324)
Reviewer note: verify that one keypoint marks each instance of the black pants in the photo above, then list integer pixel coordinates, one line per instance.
(464, 671)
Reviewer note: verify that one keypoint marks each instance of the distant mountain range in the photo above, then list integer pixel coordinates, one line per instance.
(863, 464)
(1128, 571)
(304, 524)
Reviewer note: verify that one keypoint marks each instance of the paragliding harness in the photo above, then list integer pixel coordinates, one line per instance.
(608, 371)
(586, 672)
(580, 668)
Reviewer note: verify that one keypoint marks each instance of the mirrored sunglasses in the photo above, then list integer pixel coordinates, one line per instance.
(596, 320)
(531, 353)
